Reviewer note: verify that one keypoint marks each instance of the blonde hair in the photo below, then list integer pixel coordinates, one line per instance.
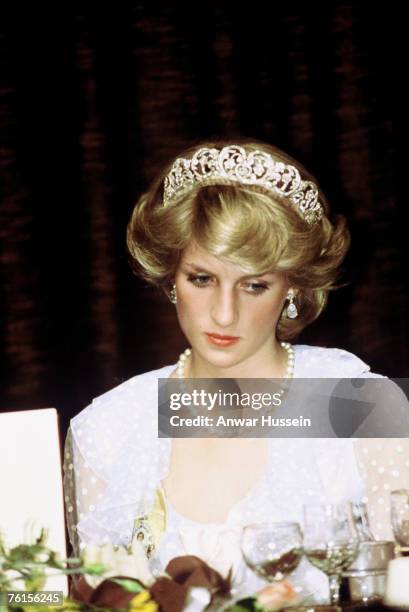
(245, 225)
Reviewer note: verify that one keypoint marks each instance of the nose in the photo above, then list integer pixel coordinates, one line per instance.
(224, 307)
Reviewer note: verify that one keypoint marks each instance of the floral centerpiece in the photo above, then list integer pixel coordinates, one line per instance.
(116, 577)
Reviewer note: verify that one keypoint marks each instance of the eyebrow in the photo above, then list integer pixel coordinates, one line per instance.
(200, 269)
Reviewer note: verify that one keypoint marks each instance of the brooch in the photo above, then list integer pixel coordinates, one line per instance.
(142, 531)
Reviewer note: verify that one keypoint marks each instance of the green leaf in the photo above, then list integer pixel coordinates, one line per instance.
(71, 560)
(43, 536)
(95, 569)
(128, 585)
(245, 605)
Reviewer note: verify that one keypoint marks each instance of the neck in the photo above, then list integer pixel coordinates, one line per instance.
(268, 363)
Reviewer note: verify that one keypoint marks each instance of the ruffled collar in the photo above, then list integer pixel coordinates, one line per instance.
(117, 434)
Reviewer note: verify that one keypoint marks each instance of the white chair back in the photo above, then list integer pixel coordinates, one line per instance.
(31, 492)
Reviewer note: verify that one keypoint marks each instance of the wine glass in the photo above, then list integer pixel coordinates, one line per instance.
(361, 520)
(272, 550)
(400, 518)
(330, 540)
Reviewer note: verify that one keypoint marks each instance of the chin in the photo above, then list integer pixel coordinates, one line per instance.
(221, 359)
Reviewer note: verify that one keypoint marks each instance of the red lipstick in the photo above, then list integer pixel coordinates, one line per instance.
(218, 340)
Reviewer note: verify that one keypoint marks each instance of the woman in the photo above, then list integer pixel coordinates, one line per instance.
(239, 236)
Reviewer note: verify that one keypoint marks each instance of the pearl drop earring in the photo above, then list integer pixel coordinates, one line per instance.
(292, 312)
(173, 297)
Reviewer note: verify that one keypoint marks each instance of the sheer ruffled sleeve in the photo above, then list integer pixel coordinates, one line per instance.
(384, 466)
(83, 488)
(113, 463)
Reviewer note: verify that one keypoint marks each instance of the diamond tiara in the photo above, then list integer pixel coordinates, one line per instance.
(233, 164)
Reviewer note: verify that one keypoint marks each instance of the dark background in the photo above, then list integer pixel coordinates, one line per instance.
(95, 97)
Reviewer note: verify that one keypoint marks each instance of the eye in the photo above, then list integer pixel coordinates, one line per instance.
(202, 280)
(257, 288)
(198, 280)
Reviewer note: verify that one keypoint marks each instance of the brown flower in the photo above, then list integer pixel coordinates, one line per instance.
(169, 592)
(107, 594)
(185, 573)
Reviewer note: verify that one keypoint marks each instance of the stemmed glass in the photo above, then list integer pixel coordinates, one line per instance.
(272, 550)
(330, 540)
(400, 518)
(361, 521)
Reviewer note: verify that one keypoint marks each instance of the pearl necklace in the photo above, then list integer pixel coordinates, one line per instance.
(180, 369)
